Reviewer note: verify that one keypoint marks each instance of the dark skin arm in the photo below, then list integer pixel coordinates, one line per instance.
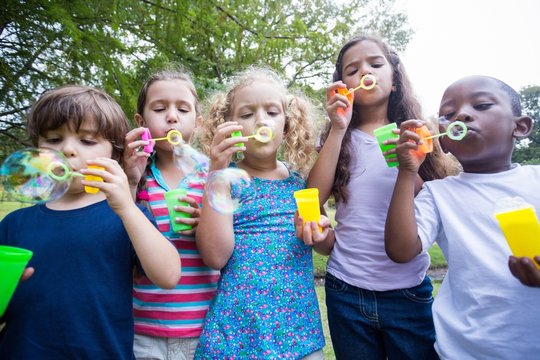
(401, 239)
(525, 270)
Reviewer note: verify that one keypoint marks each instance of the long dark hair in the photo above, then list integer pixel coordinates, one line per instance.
(402, 105)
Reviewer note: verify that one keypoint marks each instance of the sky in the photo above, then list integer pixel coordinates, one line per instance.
(457, 38)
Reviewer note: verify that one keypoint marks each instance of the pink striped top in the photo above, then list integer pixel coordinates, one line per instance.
(177, 312)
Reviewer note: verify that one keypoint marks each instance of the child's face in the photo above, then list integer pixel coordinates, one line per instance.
(260, 104)
(78, 147)
(366, 57)
(486, 110)
(170, 105)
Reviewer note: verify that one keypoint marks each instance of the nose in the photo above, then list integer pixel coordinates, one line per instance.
(261, 118)
(172, 116)
(464, 116)
(68, 148)
(364, 70)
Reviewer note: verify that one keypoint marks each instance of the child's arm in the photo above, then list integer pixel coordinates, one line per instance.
(215, 233)
(158, 257)
(322, 242)
(215, 236)
(322, 174)
(525, 271)
(401, 239)
(134, 161)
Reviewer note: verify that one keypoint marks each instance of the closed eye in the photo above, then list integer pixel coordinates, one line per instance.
(484, 106)
(88, 142)
(53, 140)
(447, 117)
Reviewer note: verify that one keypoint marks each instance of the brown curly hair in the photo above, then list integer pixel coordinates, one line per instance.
(298, 148)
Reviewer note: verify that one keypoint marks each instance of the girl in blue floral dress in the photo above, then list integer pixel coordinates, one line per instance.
(266, 305)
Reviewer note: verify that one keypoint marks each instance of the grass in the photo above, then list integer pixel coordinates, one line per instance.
(8, 206)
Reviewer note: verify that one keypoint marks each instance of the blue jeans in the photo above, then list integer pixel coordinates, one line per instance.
(395, 324)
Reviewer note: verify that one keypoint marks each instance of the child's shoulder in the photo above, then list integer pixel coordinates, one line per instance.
(21, 212)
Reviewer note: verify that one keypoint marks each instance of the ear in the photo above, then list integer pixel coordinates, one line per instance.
(139, 120)
(198, 121)
(524, 126)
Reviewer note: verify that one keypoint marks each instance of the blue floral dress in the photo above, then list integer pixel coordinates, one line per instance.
(266, 305)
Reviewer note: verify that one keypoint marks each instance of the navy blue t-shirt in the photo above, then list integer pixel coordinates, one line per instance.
(78, 303)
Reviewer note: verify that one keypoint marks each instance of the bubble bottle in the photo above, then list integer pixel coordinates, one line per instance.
(519, 224)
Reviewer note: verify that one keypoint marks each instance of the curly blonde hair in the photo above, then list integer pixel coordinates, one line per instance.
(298, 147)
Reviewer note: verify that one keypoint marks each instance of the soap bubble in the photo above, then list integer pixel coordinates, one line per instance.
(192, 163)
(35, 175)
(228, 189)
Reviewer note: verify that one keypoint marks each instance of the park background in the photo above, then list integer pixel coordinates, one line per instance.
(116, 44)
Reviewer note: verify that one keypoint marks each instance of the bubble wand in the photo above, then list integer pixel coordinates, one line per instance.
(173, 136)
(455, 131)
(60, 172)
(263, 135)
(367, 82)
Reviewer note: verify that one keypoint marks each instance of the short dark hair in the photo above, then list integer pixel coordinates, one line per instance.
(515, 101)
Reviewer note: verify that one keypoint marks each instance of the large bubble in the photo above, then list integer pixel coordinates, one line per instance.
(192, 163)
(35, 175)
(228, 189)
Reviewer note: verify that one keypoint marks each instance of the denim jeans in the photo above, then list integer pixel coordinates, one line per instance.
(395, 324)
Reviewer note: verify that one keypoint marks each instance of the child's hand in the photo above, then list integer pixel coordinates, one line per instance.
(338, 106)
(195, 212)
(135, 160)
(309, 231)
(406, 150)
(223, 145)
(115, 183)
(524, 270)
(27, 273)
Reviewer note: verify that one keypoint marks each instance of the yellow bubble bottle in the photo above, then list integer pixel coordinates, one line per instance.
(521, 229)
(307, 201)
(91, 189)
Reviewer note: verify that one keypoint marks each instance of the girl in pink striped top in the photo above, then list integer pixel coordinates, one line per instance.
(168, 323)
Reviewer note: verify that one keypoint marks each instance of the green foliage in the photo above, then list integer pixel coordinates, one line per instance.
(319, 264)
(437, 257)
(528, 151)
(116, 44)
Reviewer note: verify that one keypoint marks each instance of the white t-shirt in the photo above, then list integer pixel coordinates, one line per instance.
(358, 257)
(481, 310)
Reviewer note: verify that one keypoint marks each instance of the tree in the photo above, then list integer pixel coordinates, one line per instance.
(44, 44)
(528, 151)
(115, 44)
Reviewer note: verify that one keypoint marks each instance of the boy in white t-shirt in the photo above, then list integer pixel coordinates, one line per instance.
(481, 310)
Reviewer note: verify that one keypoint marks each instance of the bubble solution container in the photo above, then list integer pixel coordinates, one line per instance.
(13, 261)
(307, 201)
(521, 229)
(385, 133)
(171, 198)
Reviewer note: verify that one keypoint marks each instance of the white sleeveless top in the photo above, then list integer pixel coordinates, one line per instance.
(358, 257)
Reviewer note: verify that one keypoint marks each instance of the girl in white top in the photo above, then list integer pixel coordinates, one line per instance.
(377, 309)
